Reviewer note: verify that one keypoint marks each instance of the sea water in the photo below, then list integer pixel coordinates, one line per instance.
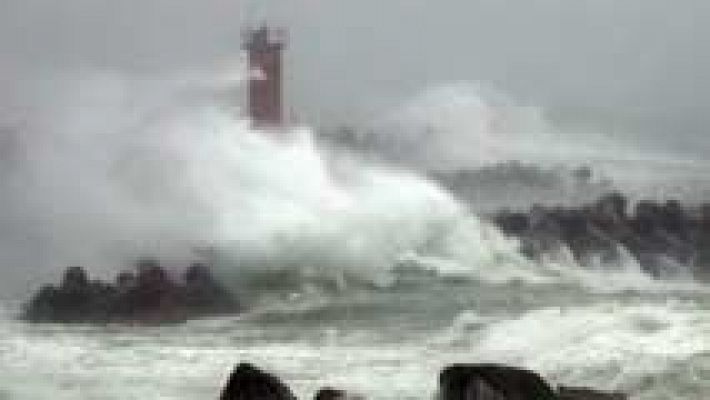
(391, 277)
(386, 343)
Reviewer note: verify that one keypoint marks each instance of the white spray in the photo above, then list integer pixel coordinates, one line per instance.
(115, 168)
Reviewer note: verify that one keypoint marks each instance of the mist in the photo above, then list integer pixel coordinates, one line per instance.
(100, 104)
(124, 166)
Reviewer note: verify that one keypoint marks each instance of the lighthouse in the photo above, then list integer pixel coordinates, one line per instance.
(264, 47)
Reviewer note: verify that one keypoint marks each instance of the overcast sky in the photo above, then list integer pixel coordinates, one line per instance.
(637, 64)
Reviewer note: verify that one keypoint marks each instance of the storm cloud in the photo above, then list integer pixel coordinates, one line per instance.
(637, 67)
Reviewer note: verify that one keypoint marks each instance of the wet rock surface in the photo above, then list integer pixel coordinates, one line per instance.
(664, 238)
(148, 294)
(331, 394)
(250, 383)
(492, 382)
(569, 393)
(456, 382)
(328, 393)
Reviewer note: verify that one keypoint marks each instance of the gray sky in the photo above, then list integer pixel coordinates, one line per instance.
(636, 64)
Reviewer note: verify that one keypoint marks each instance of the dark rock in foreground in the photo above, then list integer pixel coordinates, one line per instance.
(568, 393)
(328, 393)
(492, 382)
(148, 295)
(456, 382)
(502, 382)
(249, 383)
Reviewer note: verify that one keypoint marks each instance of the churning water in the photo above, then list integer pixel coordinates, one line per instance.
(385, 343)
(358, 276)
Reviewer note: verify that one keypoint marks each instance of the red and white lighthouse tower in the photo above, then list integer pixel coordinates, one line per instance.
(264, 48)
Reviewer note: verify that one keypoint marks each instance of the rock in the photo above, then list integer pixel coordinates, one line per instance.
(75, 280)
(153, 288)
(249, 383)
(492, 382)
(149, 296)
(512, 223)
(612, 207)
(203, 294)
(667, 239)
(125, 281)
(328, 393)
(41, 308)
(331, 394)
(571, 393)
(154, 298)
(70, 302)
